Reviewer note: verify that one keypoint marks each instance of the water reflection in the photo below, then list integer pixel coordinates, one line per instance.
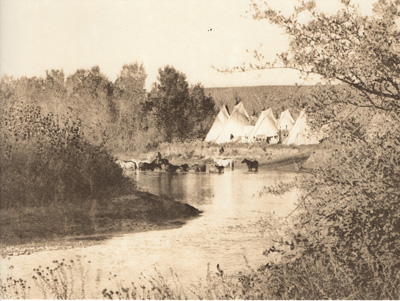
(224, 234)
(226, 193)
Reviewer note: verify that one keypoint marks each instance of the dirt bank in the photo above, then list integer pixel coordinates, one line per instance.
(34, 229)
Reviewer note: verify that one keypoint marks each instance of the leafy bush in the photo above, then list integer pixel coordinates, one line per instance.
(46, 160)
(348, 216)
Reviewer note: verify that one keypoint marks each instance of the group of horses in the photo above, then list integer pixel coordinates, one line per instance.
(163, 164)
(220, 164)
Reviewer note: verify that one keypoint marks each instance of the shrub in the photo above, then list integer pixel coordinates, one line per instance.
(46, 160)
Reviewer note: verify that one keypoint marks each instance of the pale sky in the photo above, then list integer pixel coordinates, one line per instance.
(39, 35)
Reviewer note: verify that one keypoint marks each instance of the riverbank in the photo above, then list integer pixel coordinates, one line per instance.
(29, 230)
(278, 156)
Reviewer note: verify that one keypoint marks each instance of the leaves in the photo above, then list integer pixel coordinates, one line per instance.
(350, 199)
(46, 159)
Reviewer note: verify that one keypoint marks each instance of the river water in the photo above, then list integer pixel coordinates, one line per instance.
(227, 232)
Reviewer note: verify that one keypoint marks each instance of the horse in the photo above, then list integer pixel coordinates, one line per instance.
(127, 164)
(149, 166)
(185, 167)
(199, 167)
(172, 168)
(218, 169)
(164, 161)
(225, 163)
(251, 164)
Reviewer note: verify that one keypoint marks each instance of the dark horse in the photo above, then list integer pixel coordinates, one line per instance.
(199, 167)
(164, 161)
(218, 169)
(251, 164)
(172, 168)
(149, 166)
(185, 167)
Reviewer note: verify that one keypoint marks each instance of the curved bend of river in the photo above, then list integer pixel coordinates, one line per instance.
(226, 233)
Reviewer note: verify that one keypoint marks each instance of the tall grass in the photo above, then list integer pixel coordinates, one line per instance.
(304, 278)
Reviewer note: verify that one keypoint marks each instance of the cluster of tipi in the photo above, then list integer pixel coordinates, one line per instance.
(239, 126)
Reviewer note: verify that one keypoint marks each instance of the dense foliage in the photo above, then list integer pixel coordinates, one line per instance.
(348, 217)
(57, 133)
(179, 112)
(46, 160)
(119, 115)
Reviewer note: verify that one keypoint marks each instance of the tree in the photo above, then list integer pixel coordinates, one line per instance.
(349, 210)
(89, 95)
(171, 104)
(202, 111)
(130, 83)
(129, 94)
(179, 112)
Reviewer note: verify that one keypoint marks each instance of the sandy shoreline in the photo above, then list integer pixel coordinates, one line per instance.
(82, 241)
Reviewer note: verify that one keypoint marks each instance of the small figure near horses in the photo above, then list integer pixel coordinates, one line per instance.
(199, 167)
(251, 164)
(158, 158)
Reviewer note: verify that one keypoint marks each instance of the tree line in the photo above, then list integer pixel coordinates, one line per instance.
(58, 133)
(121, 115)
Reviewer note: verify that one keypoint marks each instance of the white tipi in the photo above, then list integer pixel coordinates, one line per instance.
(301, 132)
(235, 126)
(265, 127)
(285, 121)
(271, 115)
(218, 125)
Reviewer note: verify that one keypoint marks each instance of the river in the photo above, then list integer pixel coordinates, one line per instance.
(227, 232)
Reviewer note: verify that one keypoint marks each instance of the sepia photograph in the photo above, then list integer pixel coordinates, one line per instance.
(200, 150)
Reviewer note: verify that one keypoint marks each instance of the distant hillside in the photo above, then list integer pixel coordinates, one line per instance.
(257, 98)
